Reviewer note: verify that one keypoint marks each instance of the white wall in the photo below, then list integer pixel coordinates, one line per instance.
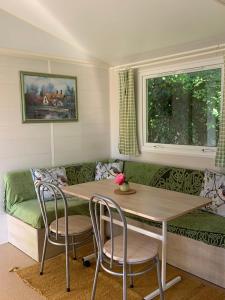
(169, 159)
(26, 145)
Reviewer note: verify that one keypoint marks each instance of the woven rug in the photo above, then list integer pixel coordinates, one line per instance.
(52, 283)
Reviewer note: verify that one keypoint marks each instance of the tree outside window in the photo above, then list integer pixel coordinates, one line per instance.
(184, 109)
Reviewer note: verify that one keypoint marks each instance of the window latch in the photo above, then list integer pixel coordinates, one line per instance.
(208, 150)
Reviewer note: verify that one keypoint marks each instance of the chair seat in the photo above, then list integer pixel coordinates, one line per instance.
(140, 248)
(77, 224)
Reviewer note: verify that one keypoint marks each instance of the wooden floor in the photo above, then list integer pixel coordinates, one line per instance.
(190, 288)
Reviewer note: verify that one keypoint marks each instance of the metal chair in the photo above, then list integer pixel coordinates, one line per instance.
(125, 250)
(66, 231)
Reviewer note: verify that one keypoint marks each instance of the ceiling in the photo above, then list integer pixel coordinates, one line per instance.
(116, 31)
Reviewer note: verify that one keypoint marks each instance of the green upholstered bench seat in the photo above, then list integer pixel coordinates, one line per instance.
(21, 201)
(165, 177)
(29, 211)
(198, 225)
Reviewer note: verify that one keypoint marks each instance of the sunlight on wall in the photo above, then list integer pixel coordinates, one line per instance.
(40, 16)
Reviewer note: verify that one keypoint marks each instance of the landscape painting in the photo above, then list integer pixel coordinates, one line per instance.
(48, 97)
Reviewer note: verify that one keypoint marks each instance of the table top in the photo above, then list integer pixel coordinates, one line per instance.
(148, 202)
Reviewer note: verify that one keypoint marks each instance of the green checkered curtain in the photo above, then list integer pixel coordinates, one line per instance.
(128, 144)
(220, 153)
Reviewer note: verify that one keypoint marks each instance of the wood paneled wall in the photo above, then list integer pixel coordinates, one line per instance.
(25, 145)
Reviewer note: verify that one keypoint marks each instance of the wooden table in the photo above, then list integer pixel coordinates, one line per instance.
(148, 202)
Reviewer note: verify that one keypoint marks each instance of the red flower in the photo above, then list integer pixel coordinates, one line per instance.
(120, 178)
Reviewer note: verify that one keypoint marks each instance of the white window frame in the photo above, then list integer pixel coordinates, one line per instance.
(158, 71)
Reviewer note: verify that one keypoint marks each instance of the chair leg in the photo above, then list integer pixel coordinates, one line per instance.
(74, 249)
(131, 277)
(124, 282)
(67, 268)
(95, 279)
(43, 255)
(95, 246)
(161, 293)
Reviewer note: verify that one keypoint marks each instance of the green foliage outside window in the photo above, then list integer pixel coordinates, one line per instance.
(184, 109)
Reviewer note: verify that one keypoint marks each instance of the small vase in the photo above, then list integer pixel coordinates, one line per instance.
(124, 187)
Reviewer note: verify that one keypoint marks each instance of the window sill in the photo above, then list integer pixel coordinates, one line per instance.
(180, 150)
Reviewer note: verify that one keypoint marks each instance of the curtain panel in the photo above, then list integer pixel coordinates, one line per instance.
(220, 152)
(128, 144)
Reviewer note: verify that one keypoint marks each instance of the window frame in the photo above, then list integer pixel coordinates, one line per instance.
(159, 71)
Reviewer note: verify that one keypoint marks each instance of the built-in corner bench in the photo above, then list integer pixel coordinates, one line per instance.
(196, 241)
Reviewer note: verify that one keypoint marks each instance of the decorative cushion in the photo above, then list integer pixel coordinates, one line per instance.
(169, 178)
(107, 170)
(178, 179)
(214, 188)
(56, 176)
(80, 173)
(193, 182)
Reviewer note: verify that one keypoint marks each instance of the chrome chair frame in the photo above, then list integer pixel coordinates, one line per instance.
(106, 263)
(55, 238)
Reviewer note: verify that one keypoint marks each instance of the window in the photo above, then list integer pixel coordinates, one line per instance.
(183, 107)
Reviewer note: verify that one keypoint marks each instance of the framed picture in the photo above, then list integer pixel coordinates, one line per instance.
(48, 97)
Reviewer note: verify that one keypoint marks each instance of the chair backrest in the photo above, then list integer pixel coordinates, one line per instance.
(115, 214)
(57, 194)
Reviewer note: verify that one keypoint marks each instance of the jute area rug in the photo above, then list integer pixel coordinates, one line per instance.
(51, 284)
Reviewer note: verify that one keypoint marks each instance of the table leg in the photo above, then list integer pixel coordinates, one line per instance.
(164, 249)
(165, 284)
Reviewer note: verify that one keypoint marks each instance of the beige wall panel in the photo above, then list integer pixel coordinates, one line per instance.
(21, 145)
(26, 145)
(87, 139)
(89, 78)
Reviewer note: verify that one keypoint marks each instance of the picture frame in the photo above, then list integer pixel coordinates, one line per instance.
(48, 97)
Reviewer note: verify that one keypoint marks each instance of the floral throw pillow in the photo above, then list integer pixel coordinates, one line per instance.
(214, 188)
(107, 170)
(55, 176)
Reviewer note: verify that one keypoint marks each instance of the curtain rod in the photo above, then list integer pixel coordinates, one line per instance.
(172, 57)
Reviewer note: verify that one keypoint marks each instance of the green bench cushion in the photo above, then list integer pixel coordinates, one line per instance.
(19, 187)
(198, 225)
(176, 179)
(142, 173)
(21, 201)
(30, 213)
